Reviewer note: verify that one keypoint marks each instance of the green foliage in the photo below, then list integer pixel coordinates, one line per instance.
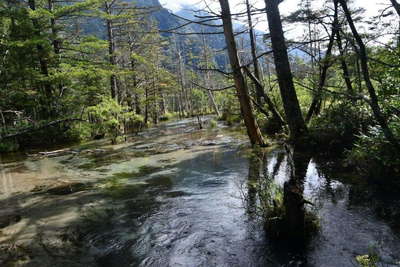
(374, 155)
(168, 116)
(368, 260)
(109, 118)
(212, 124)
(338, 126)
(8, 146)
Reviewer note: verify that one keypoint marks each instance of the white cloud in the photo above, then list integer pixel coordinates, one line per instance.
(176, 5)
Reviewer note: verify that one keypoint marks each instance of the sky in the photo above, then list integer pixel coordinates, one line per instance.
(372, 8)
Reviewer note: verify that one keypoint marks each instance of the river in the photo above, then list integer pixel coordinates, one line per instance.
(179, 196)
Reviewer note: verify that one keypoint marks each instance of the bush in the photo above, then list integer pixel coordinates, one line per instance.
(374, 155)
(110, 118)
(8, 146)
(230, 118)
(168, 116)
(337, 127)
(212, 124)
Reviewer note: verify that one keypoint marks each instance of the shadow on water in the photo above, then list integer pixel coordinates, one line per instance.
(312, 218)
(225, 208)
(222, 206)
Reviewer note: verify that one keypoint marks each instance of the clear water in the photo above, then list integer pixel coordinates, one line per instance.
(192, 208)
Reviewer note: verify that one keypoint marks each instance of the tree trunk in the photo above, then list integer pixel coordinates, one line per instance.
(271, 107)
(315, 106)
(259, 89)
(343, 64)
(146, 106)
(291, 105)
(260, 92)
(43, 63)
(362, 53)
(293, 198)
(246, 108)
(182, 83)
(111, 52)
(208, 78)
(396, 6)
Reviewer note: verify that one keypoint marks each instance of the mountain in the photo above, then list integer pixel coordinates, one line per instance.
(189, 44)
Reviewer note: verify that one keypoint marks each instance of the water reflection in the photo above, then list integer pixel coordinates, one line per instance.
(293, 199)
(190, 213)
(283, 207)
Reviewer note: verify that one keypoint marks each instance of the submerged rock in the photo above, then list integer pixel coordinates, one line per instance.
(9, 219)
(61, 189)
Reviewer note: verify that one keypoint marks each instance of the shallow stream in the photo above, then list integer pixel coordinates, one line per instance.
(177, 196)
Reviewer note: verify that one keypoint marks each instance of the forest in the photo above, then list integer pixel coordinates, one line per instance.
(223, 133)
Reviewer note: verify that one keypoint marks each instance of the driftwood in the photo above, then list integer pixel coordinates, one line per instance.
(36, 128)
(66, 151)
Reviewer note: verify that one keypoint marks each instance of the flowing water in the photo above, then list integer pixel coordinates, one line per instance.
(178, 196)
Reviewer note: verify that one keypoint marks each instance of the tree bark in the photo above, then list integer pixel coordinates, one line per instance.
(246, 108)
(260, 92)
(396, 6)
(291, 105)
(362, 53)
(343, 64)
(207, 78)
(43, 63)
(271, 107)
(111, 52)
(293, 198)
(259, 89)
(315, 106)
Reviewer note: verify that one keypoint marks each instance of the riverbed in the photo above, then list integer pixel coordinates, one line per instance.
(176, 195)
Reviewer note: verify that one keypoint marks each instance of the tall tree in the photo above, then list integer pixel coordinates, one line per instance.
(108, 7)
(291, 105)
(316, 103)
(246, 108)
(362, 54)
(257, 79)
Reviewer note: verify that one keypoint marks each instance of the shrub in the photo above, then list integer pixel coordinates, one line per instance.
(374, 155)
(337, 127)
(110, 118)
(212, 124)
(168, 116)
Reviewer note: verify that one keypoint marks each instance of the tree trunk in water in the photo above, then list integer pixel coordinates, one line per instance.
(291, 105)
(246, 108)
(362, 53)
(293, 199)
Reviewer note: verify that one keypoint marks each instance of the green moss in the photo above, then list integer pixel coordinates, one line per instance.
(367, 260)
(212, 124)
